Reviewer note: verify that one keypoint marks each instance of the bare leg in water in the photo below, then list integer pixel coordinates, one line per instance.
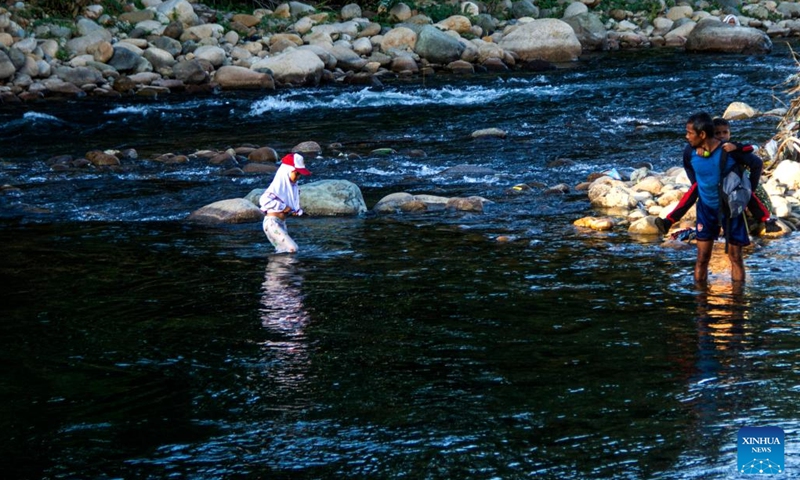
(704, 249)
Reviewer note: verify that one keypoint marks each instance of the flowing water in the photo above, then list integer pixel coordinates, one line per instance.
(136, 345)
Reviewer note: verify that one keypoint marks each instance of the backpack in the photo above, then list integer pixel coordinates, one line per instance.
(735, 191)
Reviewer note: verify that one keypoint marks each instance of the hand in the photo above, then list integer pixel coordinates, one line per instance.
(663, 225)
(729, 147)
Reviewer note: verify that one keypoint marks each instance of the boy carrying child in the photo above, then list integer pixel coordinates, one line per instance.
(756, 207)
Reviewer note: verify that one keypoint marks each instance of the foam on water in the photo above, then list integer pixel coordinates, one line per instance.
(444, 96)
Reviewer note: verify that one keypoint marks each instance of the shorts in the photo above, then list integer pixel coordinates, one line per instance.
(278, 236)
(708, 226)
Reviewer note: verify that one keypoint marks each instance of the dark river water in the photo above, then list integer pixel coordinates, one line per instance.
(136, 345)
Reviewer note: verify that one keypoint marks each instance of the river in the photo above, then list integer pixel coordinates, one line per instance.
(416, 345)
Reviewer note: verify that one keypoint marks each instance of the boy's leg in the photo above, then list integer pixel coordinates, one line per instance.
(738, 238)
(737, 263)
(757, 209)
(704, 249)
(708, 229)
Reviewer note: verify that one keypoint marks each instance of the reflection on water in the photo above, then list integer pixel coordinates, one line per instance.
(285, 318)
(282, 308)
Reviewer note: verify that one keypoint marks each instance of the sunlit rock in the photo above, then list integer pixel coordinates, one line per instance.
(178, 10)
(232, 77)
(594, 223)
(292, 67)
(401, 37)
(644, 226)
(489, 133)
(739, 111)
(546, 39)
(788, 173)
(608, 193)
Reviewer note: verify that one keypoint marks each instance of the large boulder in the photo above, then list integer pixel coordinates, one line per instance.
(438, 47)
(589, 29)
(711, 35)
(332, 197)
(79, 76)
(236, 210)
(292, 67)
(79, 45)
(546, 39)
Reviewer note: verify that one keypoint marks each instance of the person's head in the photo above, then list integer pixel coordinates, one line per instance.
(298, 164)
(699, 129)
(722, 129)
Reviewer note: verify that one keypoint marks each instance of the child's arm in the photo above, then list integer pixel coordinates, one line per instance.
(687, 200)
(733, 146)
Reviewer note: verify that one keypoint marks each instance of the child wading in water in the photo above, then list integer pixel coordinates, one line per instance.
(280, 199)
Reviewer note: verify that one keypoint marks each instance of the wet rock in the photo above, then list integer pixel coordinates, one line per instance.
(466, 204)
(263, 155)
(392, 202)
(232, 211)
(102, 159)
(468, 171)
(308, 147)
(594, 223)
(260, 168)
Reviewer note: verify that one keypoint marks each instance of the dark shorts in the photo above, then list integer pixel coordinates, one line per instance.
(708, 226)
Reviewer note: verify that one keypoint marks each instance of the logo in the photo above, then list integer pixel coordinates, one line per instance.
(760, 450)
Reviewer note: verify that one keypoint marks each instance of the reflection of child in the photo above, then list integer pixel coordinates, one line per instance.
(756, 207)
(280, 199)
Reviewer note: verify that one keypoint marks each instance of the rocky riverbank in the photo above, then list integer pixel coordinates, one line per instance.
(158, 47)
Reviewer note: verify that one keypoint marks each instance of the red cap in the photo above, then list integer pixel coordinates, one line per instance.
(296, 160)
